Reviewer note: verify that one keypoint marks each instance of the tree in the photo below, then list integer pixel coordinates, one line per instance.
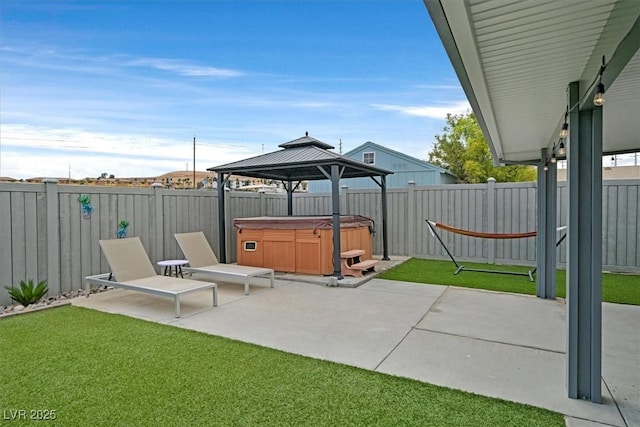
(463, 151)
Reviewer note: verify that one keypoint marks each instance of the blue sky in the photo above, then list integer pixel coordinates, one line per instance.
(123, 86)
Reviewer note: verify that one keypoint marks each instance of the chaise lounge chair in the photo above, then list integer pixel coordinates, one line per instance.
(202, 260)
(132, 270)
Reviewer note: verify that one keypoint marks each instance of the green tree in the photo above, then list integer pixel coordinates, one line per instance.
(463, 151)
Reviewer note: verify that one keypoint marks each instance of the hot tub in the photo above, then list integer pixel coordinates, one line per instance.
(299, 244)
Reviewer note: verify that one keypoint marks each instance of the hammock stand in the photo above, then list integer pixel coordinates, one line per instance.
(432, 226)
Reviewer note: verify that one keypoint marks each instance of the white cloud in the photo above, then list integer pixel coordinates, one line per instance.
(184, 68)
(27, 152)
(434, 112)
(79, 61)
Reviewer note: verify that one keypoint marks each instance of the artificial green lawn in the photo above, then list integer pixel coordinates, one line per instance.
(617, 288)
(94, 369)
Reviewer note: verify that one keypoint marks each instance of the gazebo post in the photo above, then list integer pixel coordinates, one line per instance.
(222, 227)
(289, 198)
(385, 246)
(335, 198)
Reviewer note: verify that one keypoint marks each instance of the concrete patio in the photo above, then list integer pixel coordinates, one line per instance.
(495, 344)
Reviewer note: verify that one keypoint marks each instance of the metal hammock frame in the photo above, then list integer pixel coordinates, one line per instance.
(432, 226)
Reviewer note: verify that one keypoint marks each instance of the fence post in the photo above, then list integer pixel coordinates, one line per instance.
(263, 203)
(491, 219)
(53, 236)
(412, 219)
(159, 229)
(344, 200)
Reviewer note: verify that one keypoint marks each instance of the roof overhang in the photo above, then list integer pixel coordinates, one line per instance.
(515, 61)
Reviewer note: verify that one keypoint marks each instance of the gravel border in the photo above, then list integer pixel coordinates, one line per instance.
(49, 302)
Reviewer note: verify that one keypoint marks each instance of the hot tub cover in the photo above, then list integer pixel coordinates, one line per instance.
(301, 222)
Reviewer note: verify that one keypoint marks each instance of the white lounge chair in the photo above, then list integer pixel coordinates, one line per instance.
(202, 260)
(132, 270)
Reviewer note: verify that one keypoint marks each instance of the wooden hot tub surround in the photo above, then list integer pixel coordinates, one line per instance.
(299, 244)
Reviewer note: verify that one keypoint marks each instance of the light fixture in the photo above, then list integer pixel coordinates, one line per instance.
(565, 130)
(553, 158)
(561, 150)
(598, 100)
(546, 168)
(565, 126)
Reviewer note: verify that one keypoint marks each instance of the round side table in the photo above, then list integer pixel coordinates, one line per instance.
(173, 265)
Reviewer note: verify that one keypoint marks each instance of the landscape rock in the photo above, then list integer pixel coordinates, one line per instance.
(50, 301)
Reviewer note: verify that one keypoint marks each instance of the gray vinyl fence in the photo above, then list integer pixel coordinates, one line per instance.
(43, 234)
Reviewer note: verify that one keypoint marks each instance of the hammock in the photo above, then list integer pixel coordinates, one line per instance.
(481, 234)
(432, 226)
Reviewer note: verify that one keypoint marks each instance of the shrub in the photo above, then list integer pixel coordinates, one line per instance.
(27, 293)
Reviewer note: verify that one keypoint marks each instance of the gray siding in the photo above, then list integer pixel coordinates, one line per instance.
(31, 213)
(397, 180)
(404, 167)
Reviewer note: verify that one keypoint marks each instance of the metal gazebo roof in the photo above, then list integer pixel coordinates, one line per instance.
(304, 159)
(300, 159)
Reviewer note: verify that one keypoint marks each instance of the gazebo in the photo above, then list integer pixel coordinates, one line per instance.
(304, 159)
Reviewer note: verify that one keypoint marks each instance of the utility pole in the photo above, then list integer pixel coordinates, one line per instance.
(194, 161)
(340, 146)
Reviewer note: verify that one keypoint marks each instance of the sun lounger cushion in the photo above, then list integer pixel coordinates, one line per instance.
(132, 270)
(127, 259)
(202, 260)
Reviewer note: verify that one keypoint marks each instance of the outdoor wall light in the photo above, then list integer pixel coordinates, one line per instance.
(561, 150)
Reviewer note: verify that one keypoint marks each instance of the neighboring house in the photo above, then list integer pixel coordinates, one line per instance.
(609, 172)
(404, 167)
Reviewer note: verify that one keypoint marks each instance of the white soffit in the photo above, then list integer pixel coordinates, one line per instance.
(520, 56)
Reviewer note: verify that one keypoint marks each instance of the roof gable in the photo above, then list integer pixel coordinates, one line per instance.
(405, 157)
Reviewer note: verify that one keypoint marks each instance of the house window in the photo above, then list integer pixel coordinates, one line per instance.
(369, 158)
